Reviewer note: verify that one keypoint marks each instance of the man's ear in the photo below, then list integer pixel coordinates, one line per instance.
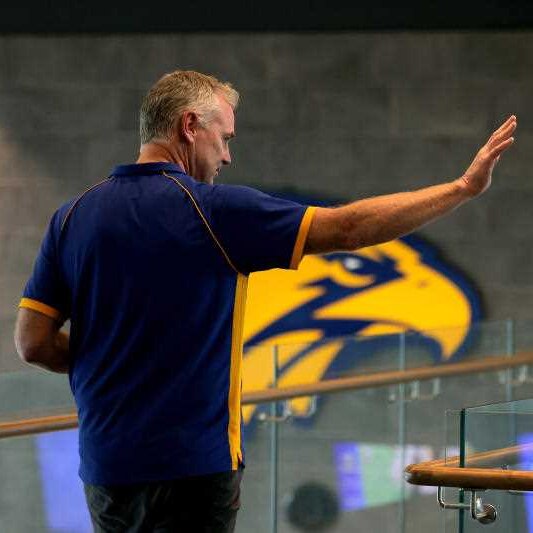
(188, 126)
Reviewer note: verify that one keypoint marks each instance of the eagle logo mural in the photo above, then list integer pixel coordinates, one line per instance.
(311, 313)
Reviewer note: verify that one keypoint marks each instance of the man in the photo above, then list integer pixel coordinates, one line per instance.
(150, 266)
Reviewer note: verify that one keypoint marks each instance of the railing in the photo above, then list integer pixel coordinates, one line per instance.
(506, 469)
(56, 422)
(391, 409)
(448, 473)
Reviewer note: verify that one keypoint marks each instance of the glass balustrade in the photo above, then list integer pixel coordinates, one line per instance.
(333, 461)
(500, 436)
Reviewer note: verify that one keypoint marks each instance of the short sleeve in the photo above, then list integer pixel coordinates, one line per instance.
(46, 290)
(258, 231)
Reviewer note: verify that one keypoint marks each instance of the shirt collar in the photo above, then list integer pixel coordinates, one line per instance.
(146, 169)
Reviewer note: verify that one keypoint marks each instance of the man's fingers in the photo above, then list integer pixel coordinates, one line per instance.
(508, 126)
(502, 133)
(512, 118)
(497, 150)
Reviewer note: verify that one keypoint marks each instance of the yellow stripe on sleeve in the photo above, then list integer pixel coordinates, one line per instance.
(299, 245)
(234, 398)
(35, 305)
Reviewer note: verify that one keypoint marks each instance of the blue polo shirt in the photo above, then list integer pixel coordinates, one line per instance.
(151, 268)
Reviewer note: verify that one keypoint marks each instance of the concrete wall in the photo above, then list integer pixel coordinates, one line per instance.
(342, 116)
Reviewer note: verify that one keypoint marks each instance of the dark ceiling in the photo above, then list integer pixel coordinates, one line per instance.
(164, 16)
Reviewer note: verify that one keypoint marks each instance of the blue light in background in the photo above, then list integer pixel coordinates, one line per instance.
(526, 460)
(64, 500)
(349, 480)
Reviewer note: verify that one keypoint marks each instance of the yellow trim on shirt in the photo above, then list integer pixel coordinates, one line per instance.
(234, 398)
(35, 305)
(71, 209)
(299, 245)
(185, 190)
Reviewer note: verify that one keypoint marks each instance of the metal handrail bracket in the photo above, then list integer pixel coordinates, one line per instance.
(484, 513)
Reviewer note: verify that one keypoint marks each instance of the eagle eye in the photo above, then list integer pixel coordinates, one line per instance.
(352, 263)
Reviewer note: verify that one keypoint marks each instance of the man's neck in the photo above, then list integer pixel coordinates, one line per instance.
(160, 152)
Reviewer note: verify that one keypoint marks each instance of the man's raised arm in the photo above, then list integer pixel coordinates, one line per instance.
(383, 218)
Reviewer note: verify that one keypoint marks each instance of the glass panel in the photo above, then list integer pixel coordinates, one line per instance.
(428, 403)
(521, 342)
(256, 511)
(522, 335)
(500, 428)
(450, 520)
(341, 464)
(9, 360)
(488, 339)
(34, 392)
(418, 433)
(39, 487)
(300, 363)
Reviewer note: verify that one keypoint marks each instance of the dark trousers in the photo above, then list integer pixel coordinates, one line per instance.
(200, 504)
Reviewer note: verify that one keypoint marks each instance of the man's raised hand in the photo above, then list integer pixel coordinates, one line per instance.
(478, 175)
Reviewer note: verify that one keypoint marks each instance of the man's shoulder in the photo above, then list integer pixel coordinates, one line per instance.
(69, 204)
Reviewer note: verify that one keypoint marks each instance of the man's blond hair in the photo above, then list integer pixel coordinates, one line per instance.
(177, 92)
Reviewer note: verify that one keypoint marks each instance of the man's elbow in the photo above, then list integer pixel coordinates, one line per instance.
(39, 342)
(29, 351)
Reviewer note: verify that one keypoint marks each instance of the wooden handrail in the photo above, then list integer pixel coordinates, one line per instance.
(42, 424)
(394, 377)
(469, 478)
(447, 473)
(484, 459)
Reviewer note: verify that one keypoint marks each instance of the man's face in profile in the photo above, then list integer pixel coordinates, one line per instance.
(211, 149)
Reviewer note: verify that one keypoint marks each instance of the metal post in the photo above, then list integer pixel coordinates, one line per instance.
(401, 428)
(462, 459)
(274, 449)
(510, 349)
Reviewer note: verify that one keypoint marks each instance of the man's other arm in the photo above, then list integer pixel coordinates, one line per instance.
(383, 218)
(40, 342)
